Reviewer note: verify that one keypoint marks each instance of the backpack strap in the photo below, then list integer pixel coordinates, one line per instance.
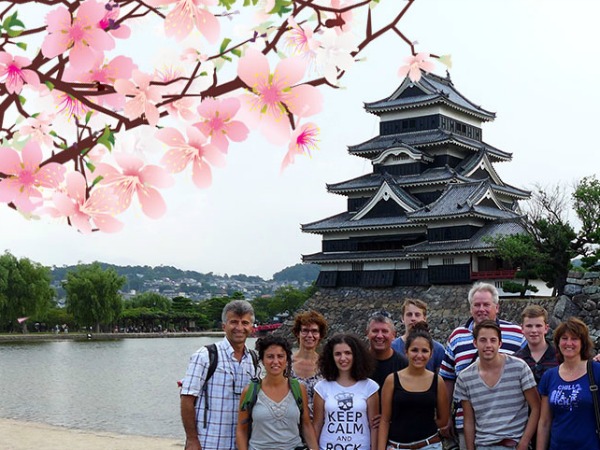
(255, 362)
(297, 393)
(213, 360)
(594, 392)
(249, 401)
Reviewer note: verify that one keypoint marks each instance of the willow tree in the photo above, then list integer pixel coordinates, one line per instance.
(24, 289)
(93, 295)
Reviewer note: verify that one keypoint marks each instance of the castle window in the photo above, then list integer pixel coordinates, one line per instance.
(416, 265)
(358, 266)
(448, 261)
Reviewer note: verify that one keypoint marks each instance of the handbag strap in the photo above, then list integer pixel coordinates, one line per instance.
(594, 391)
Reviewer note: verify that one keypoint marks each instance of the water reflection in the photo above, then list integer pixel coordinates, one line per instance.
(123, 386)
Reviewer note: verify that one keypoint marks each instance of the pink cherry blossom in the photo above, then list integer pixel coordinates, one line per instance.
(80, 35)
(195, 150)
(414, 65)
(181, 107)
(304, 139)
(108, 22)
(106, 73)
(25, 177)
(144, 96)
(274, 92)
(189, 13)
(300, 39)
(98, 208)
(135, 178)
(68, 104)
(11, 69)
(218, 124)
(38, 128)
(192, 55)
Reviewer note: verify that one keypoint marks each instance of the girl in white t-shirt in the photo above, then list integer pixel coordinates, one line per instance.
(346, 401)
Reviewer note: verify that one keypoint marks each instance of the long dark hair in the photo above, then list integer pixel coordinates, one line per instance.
(363, 362)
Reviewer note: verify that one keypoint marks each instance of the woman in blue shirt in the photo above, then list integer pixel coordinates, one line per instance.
(567, 419)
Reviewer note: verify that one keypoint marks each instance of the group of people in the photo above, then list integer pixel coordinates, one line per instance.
(494, 385)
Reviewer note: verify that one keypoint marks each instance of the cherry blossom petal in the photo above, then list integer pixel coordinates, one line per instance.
(208, 107)
(307, 100)
(237, 131)
(31, 77)
(156, 176)
(108, 224)
(179, 23)
(64, 204)
(170, 136)
(153, 205)
(31, 155)
(128, 162)
(51, 175)
(201, 174)
(82, 57)
(208, 25)
(152, 114)
(228, 107)
(81, 222)
(58, 20)
(291, 70)
(9, 161)
(175, 160)
(253, 67)
(125, 87)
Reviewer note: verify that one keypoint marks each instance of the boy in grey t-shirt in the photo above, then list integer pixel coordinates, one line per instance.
(495, 392)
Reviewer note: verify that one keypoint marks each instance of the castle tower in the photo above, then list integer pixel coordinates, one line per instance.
(424, 215)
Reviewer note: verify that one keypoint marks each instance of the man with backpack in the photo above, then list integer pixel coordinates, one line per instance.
(215, 378)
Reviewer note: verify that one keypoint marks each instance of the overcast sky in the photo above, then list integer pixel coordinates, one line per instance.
(534, 63)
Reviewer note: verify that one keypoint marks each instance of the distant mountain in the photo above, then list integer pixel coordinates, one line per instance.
(302, 273)
(171, 281)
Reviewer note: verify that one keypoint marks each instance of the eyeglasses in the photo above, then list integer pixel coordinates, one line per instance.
(307, 332)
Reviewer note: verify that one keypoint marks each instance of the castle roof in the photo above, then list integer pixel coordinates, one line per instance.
(434, 176)
(343, 221)
(423, 139)
(475, 199)
(479, 243)
(431, 89)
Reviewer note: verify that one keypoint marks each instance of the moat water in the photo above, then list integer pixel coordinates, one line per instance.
(126, 386)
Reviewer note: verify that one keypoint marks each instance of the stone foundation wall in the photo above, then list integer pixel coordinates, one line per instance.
(348, 309)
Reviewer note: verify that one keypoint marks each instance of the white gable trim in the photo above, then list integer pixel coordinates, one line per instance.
(489, 194)
(401, 150)
(385, 193)
(486, 165)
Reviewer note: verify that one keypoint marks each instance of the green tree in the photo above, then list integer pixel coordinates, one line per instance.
(519, 250)
(150, 300)
(586, 202)
(24, 289)
(556, 240)
(285, 298)
(93, 295)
